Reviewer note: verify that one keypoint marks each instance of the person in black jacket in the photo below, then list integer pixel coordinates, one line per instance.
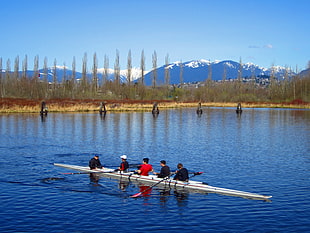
(181, 174)
(164, 171)
(95, 163)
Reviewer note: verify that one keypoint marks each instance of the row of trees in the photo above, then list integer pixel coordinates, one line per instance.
(20, 83)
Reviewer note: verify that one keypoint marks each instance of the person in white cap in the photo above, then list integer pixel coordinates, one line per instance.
(124, 164)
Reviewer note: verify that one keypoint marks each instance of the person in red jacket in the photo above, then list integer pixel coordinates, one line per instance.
(145, 168)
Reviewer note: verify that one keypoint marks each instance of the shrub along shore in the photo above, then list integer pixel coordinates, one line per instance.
(12, 105)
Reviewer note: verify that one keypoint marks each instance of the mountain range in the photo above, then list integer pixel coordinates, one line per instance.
(192, 72)
(200, 70)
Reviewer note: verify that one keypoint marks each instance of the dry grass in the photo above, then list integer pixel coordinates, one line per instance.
(33, 106)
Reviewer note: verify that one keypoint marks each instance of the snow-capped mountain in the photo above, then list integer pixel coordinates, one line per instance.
(200, 70)
(64, 72)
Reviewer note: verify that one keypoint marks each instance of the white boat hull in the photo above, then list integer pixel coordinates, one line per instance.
(195, 186)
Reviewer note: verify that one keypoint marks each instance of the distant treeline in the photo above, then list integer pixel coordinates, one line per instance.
(16, 84)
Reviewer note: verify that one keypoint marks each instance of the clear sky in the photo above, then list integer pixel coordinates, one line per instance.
(264, 32)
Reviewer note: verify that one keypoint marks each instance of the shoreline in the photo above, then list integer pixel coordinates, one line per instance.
(11, 105)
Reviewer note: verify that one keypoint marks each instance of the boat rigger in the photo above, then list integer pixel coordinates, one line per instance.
(194, 186)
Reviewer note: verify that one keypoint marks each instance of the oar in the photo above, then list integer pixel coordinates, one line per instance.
(90, 172)
(138, 194)
(195, 173)
(130, 165)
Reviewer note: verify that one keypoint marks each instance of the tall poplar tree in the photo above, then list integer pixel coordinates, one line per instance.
(142, 67)
(105, 69)
(129, 67)
(167, 71)
(54, 77)
(84, 74)
(95, 74)
(181, 74)
(154, 71)
(117, 75)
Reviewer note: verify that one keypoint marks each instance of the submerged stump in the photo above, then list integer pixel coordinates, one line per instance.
(44, 109)
(239, 109)
(199, 109)
(102, 108)
(155, 110)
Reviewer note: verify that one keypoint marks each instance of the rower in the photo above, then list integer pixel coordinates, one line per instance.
(145, 168)
(164, 171)
(95, 163)
(181, 173)
(124, 164)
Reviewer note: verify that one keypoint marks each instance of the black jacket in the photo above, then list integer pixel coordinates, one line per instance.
(164, 171)
(124, 166)
(94, 163)
(182, 175)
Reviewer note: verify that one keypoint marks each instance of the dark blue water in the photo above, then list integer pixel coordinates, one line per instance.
(265, 151)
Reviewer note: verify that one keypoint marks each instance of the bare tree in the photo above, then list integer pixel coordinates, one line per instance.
(54, 76)
(36, 67)
(8, 70)
(181, 74)
(16, 68)
(154, 71)
(105, 69)
(167, 71)
(7, 81)
(64, 81)
(73, 71)
(24, 80)
(25, 67)
(117, 69)
(45, 70)
(224, 73)
(84, 74)
(73, 79)
(142, 66)
(95, 75)
(209, 72)
(240, 70)
(45, 77)
(129, 67)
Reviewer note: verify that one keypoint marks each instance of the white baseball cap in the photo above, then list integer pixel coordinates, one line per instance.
(123, 157)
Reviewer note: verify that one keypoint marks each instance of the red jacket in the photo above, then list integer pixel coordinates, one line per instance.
(145, 169)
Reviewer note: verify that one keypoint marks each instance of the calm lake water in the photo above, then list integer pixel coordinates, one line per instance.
(264, 151)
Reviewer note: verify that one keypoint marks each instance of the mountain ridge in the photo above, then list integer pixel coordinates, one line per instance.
(192, 71)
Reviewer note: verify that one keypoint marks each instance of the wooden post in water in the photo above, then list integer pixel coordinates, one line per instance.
(155, 110)
(239, 109)
(102, 108)
(44, 109)
(199, 109)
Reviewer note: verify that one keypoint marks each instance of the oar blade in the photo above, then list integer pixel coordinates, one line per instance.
(136, 195)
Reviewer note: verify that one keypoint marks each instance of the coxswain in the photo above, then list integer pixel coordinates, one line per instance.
(164, 171)
(145, 168)
(95, 163)
(124, 164)
(181, 173)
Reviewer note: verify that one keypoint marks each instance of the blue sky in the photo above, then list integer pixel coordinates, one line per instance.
(263, 32)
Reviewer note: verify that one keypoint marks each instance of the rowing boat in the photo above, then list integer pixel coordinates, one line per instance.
(194, 186)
